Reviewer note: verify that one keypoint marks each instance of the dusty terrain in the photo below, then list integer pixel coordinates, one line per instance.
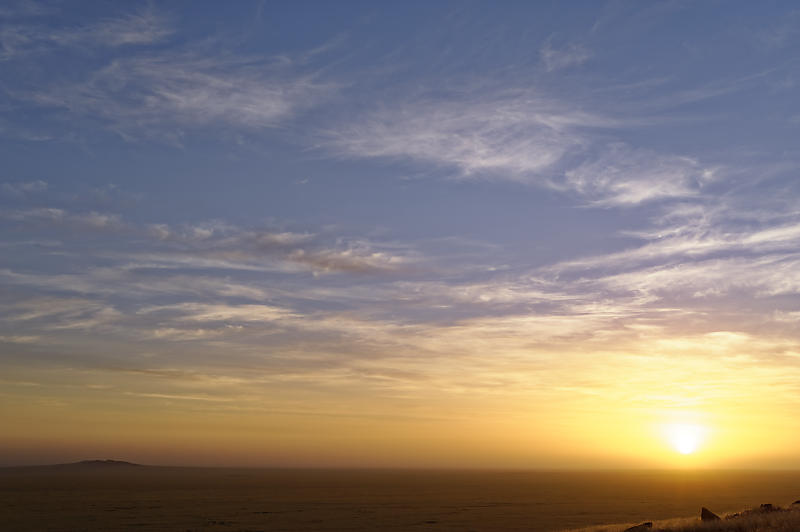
(781, 519)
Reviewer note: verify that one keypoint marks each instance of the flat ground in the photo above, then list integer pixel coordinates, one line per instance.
(155, 499)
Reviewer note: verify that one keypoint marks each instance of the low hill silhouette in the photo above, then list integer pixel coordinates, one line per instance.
(104, 464)
(85, 465)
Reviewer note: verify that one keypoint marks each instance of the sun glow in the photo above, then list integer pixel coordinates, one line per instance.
(685, 438)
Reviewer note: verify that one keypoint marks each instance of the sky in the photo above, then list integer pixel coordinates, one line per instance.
(400, 234)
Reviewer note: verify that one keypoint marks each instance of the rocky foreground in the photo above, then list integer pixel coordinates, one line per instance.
(765, 518)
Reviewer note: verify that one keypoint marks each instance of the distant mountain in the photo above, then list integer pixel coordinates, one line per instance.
(104, 463)
(84, 465)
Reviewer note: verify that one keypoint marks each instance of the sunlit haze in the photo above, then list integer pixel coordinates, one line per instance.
(545, 235)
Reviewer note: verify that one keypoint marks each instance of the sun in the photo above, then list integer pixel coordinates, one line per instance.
(685, 438)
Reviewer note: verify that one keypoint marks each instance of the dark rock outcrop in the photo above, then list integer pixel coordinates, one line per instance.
(708, 515)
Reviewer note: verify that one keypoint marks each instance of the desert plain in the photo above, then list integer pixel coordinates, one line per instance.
(129, 497)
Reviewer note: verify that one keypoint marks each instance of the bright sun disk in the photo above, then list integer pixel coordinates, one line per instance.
(684, 438)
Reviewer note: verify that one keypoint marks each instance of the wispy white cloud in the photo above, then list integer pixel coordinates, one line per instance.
(23, 188)
(514, 135)
(621, 175)
(201, 312)
(249, 247)
(227, 234)
(21, 39)
(19, 42)
(180, 397)
(357, 258)
(524, 137)
(157, 95)
(54, 314)
(564, 57)
(61, 217)
(691, 233)
(758, 277)
(145, 92)
(146, 26)
(19, 339)
(216, 244)
(184, 334)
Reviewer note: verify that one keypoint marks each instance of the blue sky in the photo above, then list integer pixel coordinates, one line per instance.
(395, 209)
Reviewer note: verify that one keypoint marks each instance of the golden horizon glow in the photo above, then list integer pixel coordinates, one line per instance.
(237, 421)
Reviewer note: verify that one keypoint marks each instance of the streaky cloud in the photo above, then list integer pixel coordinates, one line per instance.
(555, 58)
(520, 136)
